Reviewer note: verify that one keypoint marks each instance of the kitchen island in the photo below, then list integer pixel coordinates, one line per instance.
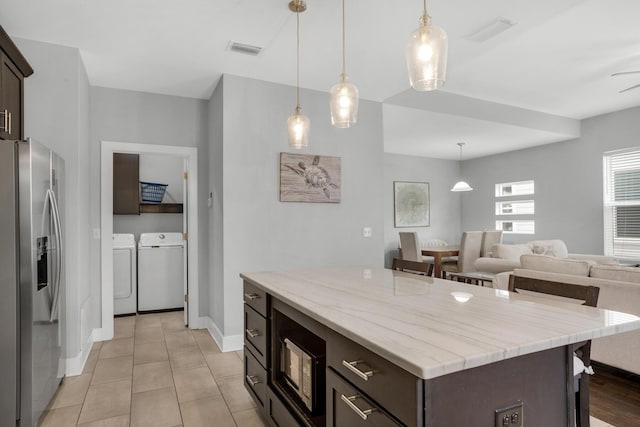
(394, 348)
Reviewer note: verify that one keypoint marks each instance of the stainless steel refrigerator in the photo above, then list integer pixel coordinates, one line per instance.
(32, 280)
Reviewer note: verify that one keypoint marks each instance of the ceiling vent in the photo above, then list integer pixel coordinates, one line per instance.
(497, 26)
(244, 48)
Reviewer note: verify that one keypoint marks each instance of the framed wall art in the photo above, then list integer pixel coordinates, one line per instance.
(411, 204)
(309, 178)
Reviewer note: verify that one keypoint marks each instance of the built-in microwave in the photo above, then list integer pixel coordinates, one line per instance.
(297, 371)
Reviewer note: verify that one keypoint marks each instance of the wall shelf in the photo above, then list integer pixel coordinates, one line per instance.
(161, 208)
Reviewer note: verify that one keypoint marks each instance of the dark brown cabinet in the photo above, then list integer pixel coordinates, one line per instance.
(13, 69)
(126, 188)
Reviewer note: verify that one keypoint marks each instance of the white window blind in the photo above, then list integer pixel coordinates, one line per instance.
(520, 188)
(622, 203)
(515, 207)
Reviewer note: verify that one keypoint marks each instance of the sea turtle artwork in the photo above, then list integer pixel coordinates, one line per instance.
(316, 178)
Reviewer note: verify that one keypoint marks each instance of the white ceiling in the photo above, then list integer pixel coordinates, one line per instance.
(552, 66)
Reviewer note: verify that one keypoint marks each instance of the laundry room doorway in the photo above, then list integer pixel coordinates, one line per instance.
(182, 195)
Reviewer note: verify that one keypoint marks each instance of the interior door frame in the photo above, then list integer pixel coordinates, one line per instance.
(190, 154)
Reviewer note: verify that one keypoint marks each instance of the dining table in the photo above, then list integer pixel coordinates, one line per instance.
(438, 253)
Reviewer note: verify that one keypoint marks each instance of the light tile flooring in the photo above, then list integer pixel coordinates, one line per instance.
(156, 373)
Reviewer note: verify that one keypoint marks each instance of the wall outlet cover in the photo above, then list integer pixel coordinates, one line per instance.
(510, 416)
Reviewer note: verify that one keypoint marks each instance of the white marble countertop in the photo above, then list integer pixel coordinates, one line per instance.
(416, 323)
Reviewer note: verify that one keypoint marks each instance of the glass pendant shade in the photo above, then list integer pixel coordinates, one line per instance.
(427, 56)
(461, 186)
(344, 104)
(298, 130)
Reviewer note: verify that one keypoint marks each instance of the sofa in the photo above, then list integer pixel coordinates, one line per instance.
(505, 257)
(619, 291)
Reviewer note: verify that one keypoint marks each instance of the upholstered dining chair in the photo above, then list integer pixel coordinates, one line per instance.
(489, 238)
(582, 369)
(469, 252)
(410, 249)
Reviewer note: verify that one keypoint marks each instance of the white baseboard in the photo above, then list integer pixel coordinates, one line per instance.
(75, 365)
(226, 343)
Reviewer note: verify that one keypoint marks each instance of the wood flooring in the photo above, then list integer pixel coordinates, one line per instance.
(615, 396)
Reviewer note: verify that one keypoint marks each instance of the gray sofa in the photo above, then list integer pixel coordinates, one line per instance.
(619, 291)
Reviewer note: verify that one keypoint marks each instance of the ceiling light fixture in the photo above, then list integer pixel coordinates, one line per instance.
(298, 123)
(427, 55)
(461, 185)
(343, 102)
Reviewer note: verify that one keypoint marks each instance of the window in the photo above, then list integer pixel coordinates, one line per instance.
(622, 203)
(517, 226)
(514, 211)
(521, 188)
(516, 207)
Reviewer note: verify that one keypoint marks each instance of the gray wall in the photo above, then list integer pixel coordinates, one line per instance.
(56, 100)
(144, 118)
(568, 180)
(262, 233)
(444, 206)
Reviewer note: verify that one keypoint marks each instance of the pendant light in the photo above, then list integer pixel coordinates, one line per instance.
(461, 185)
(343, 102)
(298, 123)
(427, 55)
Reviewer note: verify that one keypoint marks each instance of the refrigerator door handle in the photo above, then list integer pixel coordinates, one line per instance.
(55, 214)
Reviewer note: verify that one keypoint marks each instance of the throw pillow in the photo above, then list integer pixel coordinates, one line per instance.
(556, 248)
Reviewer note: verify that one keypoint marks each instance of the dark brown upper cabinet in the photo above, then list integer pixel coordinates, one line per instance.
(126, 186)
(13, 69)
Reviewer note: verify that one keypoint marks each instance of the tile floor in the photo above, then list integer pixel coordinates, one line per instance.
(156, 373)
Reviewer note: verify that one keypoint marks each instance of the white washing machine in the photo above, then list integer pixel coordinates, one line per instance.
(125, 299)
(160, 271)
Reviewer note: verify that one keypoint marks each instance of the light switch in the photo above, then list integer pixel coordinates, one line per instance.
(367, 232)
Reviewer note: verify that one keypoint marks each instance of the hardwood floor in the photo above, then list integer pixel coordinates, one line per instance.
(615, 396)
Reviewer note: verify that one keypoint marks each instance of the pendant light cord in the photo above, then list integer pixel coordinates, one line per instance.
(344, 43)
(425, 16)
(298, 59)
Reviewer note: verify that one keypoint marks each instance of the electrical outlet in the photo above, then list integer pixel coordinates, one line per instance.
(367, 232)
(510, 416)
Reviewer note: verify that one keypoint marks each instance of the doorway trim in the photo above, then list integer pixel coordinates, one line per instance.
(106, 226)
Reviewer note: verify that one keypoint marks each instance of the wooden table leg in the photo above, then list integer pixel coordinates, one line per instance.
(437, 265)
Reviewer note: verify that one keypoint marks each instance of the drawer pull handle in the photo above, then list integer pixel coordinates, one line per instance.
(253, 333)
(349, 401)
(251, 297)
(252, 380)
(5, 121)
(352, 366)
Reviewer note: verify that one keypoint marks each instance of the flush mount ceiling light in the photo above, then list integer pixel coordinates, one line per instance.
(298, 123)
(461, 185)
(343, 102)
(427, 55)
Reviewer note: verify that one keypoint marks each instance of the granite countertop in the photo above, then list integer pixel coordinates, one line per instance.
(416, 323)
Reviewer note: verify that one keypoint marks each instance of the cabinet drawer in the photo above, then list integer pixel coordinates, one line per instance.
(255, 378)
(255, 298)
(255, 334)
(346, 406)
(395, 389)
(277, 414)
